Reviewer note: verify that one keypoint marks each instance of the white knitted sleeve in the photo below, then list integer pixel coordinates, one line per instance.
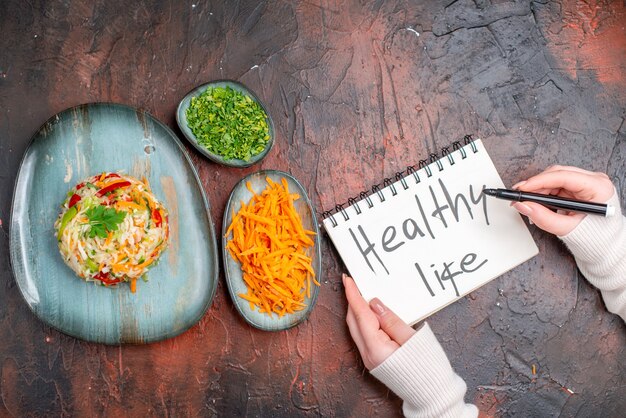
(419, 372)
(599, 247)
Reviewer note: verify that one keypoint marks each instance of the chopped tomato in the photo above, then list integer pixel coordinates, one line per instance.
(106, 278)
(156, 217)
(74, 200)
(112, 187)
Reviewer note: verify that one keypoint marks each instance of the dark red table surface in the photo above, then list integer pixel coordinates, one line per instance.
(357, 91)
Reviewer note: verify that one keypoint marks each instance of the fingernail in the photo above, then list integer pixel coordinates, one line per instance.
(516, 185)
(343, 278)
(523, 209)
(378, 306)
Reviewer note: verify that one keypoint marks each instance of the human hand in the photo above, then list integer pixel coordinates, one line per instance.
(564, 181)
(375, 329)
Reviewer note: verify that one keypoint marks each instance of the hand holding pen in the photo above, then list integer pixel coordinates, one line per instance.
(567, 182)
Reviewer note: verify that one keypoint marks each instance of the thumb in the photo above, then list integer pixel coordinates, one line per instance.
(555, 223)
(391, 323)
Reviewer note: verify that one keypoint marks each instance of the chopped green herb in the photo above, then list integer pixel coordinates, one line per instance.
(103, 220)
(228, 123)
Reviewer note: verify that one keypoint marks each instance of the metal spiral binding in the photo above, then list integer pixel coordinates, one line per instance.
(401, 176)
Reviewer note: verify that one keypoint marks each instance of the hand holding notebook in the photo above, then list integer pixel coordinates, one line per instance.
(431, 237)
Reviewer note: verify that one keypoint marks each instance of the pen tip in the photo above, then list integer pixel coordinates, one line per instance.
(489, 192)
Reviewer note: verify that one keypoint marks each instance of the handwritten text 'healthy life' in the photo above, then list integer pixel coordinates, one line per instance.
(448, 210)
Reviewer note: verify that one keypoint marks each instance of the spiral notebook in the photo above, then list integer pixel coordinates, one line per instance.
(427, 237)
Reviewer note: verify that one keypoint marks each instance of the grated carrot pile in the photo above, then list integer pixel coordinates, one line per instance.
(269, 241)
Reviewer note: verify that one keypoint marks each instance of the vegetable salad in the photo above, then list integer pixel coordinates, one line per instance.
(111, 229)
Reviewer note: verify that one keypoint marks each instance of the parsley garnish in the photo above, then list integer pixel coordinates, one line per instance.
(103, 220)
(228, 123)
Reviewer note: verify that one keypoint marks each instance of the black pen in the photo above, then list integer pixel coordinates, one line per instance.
(553, 202)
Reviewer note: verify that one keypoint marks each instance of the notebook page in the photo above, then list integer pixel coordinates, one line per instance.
(422, 247)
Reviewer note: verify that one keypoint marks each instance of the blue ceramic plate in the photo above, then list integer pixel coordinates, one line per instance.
(181, 119)
(78, 143)
(232, 268)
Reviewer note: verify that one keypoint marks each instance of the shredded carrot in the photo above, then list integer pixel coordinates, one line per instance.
(144, 180)
(144, 264)
(133, 205)
(268, 239)
(112, 182)
(108, 239)
(119, 268)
